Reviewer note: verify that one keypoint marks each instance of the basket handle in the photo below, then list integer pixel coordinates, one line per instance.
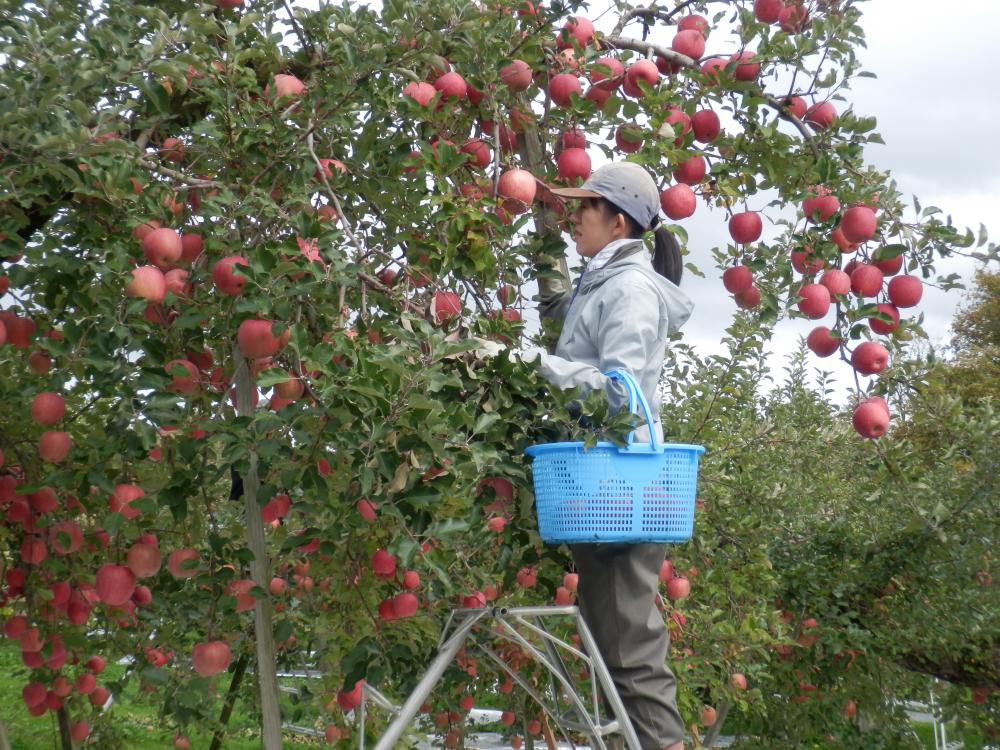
(635, 395)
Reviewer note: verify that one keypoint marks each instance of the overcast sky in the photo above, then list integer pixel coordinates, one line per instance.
(937, 101)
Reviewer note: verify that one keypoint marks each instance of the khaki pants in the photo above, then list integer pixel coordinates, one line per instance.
(615, 596)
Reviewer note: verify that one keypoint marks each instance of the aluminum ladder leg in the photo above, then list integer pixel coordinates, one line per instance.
(585, 712)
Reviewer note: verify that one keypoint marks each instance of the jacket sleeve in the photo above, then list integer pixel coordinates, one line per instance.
(627, 332)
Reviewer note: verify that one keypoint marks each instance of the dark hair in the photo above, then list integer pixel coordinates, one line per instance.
(666, 251)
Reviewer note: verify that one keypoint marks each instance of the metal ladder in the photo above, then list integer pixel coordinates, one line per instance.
(518, 625)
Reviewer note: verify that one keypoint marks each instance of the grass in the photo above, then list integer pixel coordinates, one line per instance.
(973, 740)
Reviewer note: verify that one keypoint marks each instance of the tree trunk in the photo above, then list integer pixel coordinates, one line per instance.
(65, 740)
(227, 709)
(533, 153)
(4, 741)
(713, 731)
(267, 673)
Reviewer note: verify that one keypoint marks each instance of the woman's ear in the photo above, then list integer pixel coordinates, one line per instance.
(621, 226)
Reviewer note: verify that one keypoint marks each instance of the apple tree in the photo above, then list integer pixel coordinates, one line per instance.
(247, 249)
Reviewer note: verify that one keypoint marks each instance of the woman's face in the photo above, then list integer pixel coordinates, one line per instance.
(593, 228)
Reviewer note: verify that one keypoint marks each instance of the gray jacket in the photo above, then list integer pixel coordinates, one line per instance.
(620, 318)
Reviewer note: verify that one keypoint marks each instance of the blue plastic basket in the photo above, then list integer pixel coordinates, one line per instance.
(644, 492)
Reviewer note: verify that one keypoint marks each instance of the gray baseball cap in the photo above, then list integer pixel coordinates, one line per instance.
(624, 183)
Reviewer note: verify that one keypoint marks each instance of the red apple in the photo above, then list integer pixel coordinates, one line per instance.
(691, 171)
(143, 560)
(115, 584)
(678, 201)
(34, 694)
(820, 206)
(516, 76)
(572, 138)
(706, 126)
(870, 358)
(211, 658)
(452, 87)
(445, 306)
(38, 362)
(179, 563)
(573, 165)
(348, 700)
(745, 227)
(85, 684)
(707, 716)
(814, 300)
(888, 266)
(411, 580)
(641, 71)
(562, 87)
(184, 376)
(675, 118)
(866, 280)
(690, 43)
(871, 418)
(366, 509)
(65, 537)
(858, 224)
(678, 588)
(256, 339)
(54, 446)
(821, 115)
(172, 149)
(578, 29)
(518, 186)
(405, 605)
(693, 23)
(666, 571)
(420, 92)
(793, 18)
(608, 69)
(48, 408)
(384, 564)
(746, 68)
(905, 291)
(737, 279)
(479, 151)
(738, 681)
(838, 238)
(527, 577)
(288, 86)
(121, 500)
(748, 299)
(227, 280)
(796, 105)
(880, 326)
(836, 281)
(176, 281)
(147, 283)
(162, 247)
(629, 138)
(767, 11)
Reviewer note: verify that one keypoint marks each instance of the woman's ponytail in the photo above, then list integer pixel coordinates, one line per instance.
(667, 255)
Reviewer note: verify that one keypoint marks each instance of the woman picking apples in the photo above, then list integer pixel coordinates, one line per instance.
(625, 305)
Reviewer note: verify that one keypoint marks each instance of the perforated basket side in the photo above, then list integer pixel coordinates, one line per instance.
(606, 494)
